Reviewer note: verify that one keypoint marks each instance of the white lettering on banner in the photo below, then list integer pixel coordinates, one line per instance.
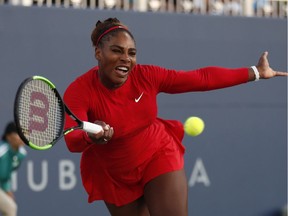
(44, 178)
(199, 174)
(14, 181)
(67, 177)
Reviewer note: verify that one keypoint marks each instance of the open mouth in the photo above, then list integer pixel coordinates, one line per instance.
(122, 70)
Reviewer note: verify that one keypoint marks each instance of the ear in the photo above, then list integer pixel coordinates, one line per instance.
(97, 53)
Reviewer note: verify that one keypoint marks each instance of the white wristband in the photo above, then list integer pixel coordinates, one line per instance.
(256, 72)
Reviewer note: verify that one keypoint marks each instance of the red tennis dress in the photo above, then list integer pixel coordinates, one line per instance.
(143, 146)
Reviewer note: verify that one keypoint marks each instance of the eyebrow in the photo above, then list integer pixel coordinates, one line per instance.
(117, 46)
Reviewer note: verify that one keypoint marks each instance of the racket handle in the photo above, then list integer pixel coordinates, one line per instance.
(92, 128)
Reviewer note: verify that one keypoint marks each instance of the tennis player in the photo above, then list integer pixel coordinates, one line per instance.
(136, 165)
(12, 154)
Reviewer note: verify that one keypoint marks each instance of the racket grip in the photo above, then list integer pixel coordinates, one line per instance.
(92, 128)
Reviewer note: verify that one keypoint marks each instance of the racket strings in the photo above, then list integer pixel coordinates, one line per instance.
(40, 113)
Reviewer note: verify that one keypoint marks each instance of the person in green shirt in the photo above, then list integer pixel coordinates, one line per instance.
(12, 152)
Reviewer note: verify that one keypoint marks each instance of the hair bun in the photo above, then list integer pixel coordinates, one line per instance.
(98, 23)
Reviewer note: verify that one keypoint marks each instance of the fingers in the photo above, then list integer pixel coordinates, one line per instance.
(104, 136)
(263, 61)
(266, 72)
(279, 73)
(108, 132)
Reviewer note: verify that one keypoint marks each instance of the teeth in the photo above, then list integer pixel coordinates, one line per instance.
(123, 68)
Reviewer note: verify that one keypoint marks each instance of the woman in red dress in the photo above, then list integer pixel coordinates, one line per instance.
(136, 164)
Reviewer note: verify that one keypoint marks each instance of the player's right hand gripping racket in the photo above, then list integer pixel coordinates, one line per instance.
(39, 114)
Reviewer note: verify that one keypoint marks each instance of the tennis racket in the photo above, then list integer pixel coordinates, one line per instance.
(39, 114)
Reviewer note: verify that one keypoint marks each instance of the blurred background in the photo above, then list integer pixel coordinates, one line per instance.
(236, 167)
(260, 8)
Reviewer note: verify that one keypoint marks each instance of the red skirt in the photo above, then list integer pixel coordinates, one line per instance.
(123, 184)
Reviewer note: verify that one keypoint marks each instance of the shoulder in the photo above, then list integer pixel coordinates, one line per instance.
(147, 68)
(4, 148)
(153, 73)
(83, 81)
(90, 75)
(87, 76)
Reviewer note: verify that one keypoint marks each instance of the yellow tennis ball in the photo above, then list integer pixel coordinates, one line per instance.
(194, 126)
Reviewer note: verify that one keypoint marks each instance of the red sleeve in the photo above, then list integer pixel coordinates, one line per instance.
(78, 103)
(204, 79)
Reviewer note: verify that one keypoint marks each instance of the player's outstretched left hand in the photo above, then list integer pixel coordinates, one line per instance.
(265, 71)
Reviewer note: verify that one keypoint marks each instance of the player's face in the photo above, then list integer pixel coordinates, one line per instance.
(116, 59)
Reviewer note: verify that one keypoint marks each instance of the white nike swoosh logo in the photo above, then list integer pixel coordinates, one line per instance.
(138, 99)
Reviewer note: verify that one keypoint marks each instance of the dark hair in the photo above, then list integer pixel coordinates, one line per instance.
(10, 128)
(101, 27)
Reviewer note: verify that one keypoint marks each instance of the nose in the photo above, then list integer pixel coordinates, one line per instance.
(125, 57)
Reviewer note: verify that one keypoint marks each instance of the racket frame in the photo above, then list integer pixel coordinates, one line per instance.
(16, 113)
(84, 125)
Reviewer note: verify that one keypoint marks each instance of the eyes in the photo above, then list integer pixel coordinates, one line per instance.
(131, 52)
